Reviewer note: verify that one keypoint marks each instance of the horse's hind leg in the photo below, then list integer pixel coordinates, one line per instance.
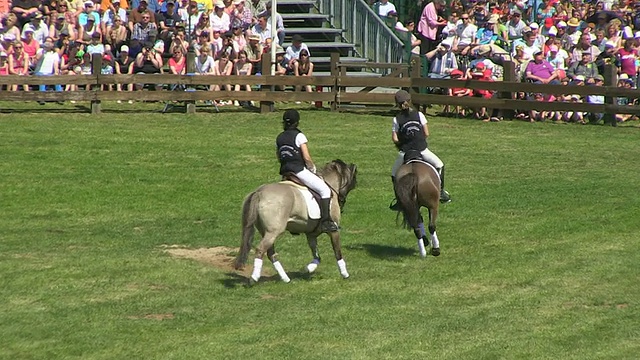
(337, 250)
(421, 235)
(312, 240)
(273, 256)
(435, 244)
(265, 244)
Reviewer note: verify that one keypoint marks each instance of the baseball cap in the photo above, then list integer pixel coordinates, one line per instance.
(552, 31)
(579, 78)
(534, 25)
(124, 48)
(106, 57)
(561, 24)
(599, 77)
(480, 66)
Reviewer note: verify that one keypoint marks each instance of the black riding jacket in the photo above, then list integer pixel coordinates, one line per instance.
(410, 131)
(289, 154)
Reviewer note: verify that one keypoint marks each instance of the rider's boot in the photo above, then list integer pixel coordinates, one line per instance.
(394, 204)
(444, 195)
(326, 224)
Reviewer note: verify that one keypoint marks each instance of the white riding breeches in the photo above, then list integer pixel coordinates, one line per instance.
(427, 155)
(315, 183)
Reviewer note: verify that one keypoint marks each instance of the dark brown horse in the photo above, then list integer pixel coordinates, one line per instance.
(279, 207)
(417, 184)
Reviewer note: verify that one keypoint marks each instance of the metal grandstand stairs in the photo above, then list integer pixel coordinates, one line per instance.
(303, 18)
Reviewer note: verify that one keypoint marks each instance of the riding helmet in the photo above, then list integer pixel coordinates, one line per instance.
(402, 96)
(290, 117)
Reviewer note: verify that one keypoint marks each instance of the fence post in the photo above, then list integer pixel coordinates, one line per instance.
(610, 80)
(266, 106)
(509, 75)
(335, 59)
(415, 72)
(96, 66)
(190, 105)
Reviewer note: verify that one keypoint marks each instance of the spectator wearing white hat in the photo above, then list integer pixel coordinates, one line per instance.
(40, 29)
(219, 20)
(539, 38)
(242, 15)
(89, 11)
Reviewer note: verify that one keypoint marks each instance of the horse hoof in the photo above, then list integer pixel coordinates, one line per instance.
(251, 282)
(435, 251)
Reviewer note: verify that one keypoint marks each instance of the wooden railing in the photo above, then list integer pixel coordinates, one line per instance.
(336, 89)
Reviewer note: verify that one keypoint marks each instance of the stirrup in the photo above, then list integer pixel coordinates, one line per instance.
(329, 226)
(444, 197)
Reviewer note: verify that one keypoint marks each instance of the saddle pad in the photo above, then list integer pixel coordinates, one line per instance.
(313, 209)
(426, 163)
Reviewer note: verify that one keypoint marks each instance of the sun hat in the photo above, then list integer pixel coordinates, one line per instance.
(493, 19)
(573, 22)
(254, 37)
(280, 49)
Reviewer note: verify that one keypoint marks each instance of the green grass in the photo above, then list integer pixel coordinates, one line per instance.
(539, 247)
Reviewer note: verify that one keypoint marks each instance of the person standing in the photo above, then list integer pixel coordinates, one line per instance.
(293, 153)
(428, 26)
(409, 132)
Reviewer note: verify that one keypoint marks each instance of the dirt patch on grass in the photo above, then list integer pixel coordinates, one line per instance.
(221, 257)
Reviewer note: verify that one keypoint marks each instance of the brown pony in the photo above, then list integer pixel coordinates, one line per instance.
(417, 184)
(279, 207)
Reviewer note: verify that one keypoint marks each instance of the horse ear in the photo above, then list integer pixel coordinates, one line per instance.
(353, 167)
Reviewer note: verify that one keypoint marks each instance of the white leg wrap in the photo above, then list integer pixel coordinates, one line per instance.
(423, 251)
(342, 266)
(313, 265)
(281, 272)
(257, 269)
(434, 241)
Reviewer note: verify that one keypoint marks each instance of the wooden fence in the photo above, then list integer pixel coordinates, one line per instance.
(336, 89)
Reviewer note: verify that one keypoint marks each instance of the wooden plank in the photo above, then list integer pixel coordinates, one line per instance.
(267, 96)
(375, 82)
(373, 65)
(48, 80)
(47, 95)
(192, 80)
(526, 87)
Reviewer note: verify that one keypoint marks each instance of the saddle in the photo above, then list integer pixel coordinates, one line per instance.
(294, 179)
(414, 156)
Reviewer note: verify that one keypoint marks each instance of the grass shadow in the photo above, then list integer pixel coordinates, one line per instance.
(233, 280)
(385, 252)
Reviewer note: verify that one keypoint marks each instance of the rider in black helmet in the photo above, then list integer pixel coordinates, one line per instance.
(409, 133)
(293, 153)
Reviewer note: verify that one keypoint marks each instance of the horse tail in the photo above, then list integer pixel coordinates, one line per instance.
(407, 194)
(249, 218)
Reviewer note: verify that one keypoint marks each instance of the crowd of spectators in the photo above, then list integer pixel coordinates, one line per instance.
(62, 37)
(550, 41)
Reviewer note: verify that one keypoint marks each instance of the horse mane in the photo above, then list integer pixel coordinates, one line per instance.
(346, 174)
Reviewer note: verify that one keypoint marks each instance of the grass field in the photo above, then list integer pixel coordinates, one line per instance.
(539, 259)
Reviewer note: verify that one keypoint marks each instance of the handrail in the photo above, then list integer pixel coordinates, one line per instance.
(374, 40)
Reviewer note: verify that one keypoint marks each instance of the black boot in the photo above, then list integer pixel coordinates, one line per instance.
(444, 195)
(394, 204)
(326, 224)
